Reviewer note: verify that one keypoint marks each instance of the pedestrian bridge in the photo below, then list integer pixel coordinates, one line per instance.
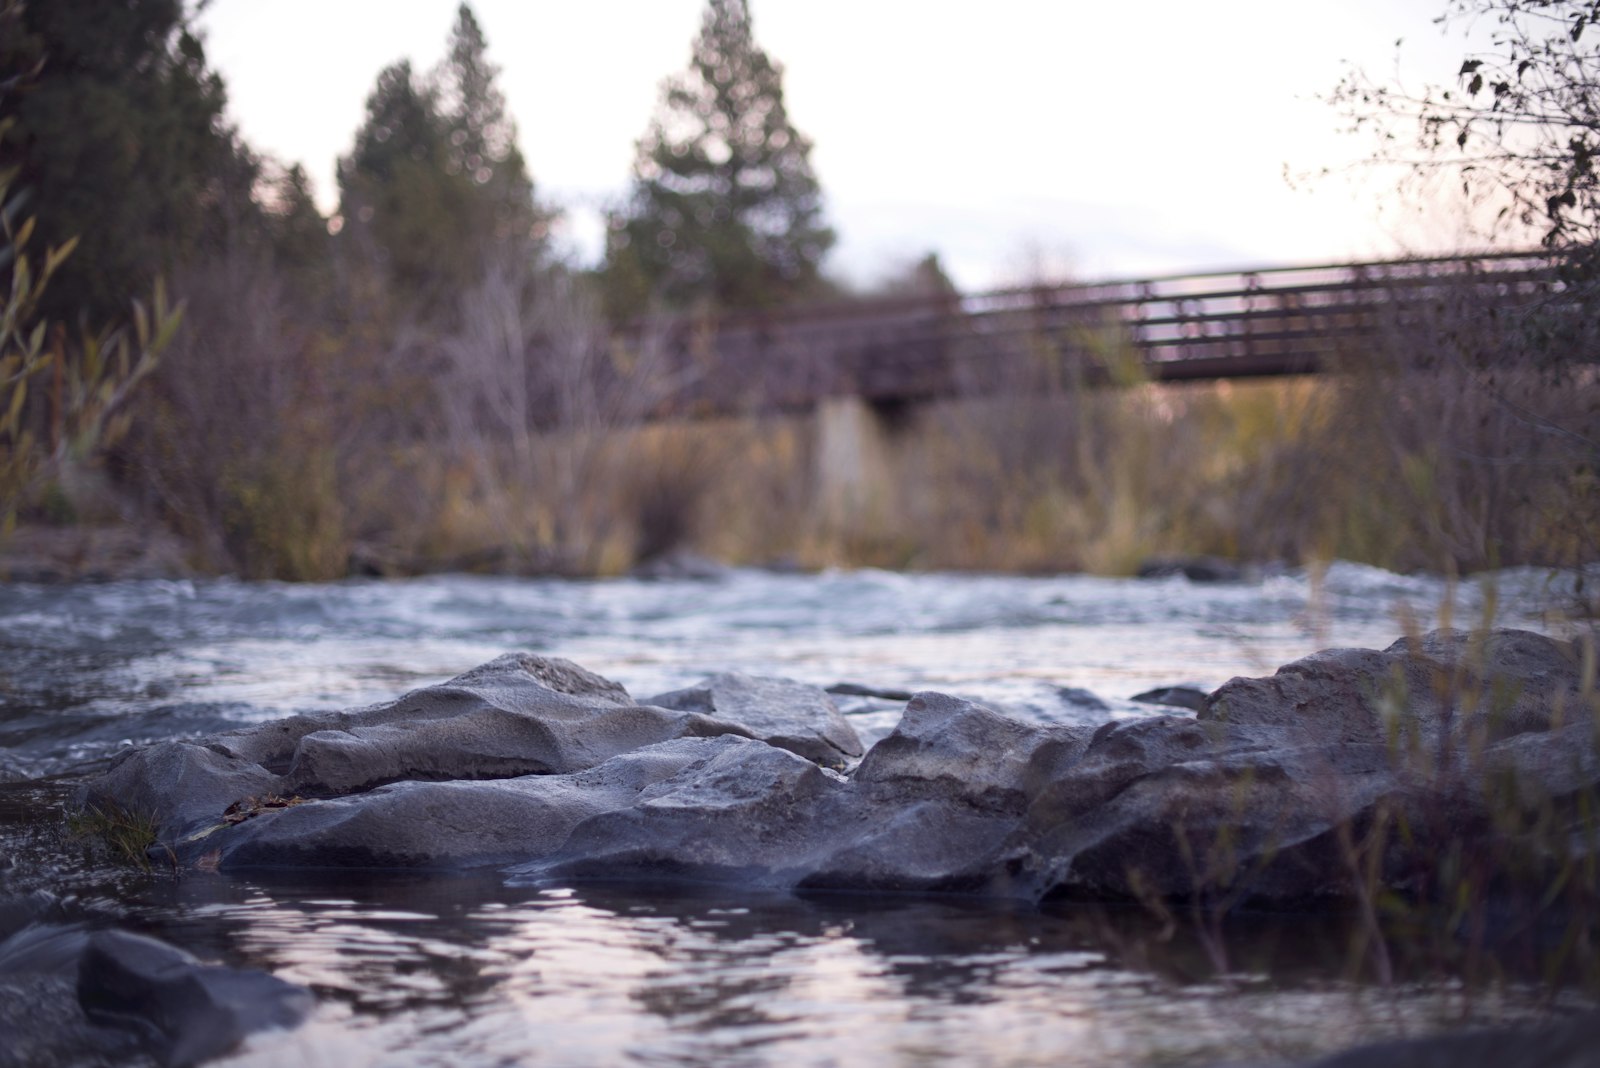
(1217, 325)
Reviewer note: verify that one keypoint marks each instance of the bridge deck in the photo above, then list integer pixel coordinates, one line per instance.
(1275, 321)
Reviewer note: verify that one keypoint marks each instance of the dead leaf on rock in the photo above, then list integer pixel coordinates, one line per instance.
(249, 807)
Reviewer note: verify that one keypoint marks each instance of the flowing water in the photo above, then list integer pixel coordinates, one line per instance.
(465, 970)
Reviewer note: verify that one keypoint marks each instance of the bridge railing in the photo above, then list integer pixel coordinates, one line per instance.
(1272, 321)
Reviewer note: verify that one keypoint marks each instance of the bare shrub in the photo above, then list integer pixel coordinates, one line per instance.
(236, 442)
(530, 387)
(1461, 439)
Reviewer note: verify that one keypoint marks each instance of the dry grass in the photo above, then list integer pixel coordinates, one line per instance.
(288, 442)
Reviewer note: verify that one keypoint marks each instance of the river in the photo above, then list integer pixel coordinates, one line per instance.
(413, 969)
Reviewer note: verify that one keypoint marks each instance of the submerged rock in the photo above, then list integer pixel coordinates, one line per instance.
(545, 771)
(1186, 695)
(77, 996)
(680, 565)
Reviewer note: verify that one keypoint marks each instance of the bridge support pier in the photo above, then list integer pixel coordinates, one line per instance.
(853, 460)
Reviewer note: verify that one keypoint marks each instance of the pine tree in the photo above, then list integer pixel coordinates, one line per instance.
(482, 142)
(435, 184)
(398, 200)
(119, 142)
(725, 206)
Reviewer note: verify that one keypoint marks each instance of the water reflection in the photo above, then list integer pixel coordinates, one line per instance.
(465, 971)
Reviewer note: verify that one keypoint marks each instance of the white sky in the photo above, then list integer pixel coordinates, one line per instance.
(1107, 139)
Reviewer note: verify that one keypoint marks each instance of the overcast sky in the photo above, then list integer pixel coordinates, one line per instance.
(1101, 140)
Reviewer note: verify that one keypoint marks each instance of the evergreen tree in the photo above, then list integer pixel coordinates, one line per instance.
(725, 205)
(397, 197)
(482, 140)
(435, 183)
(119, 142)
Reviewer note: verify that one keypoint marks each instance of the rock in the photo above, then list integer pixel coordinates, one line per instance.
(516, 715)
(787, 714)
(951, 748)
(447, 825)
(178, 785)
(113, 997)
(680, 565)
(855, 689)
(1183, 696)
(196, 1011)
(1568, 1044)
(744, 811)
(1193, 568)
(1082, 699)
(1170, 807)
(1446, 683)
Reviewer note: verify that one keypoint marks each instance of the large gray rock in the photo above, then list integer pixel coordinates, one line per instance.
(1271, 790)
(196, 1011)
(746, 812)
(1170, 807)
(447, 824)
(78, 996)
(1455, 686)
(516, 715)
(790, 715)
(951, 748)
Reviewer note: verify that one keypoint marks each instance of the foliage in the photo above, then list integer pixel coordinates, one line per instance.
(90, 381)
(725, 206)
(235, 444)
(435, 180)
(117, 139)
(1521, 126)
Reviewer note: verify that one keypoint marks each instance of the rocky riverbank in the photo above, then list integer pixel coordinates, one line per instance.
(1282, 789)
(1447, 764)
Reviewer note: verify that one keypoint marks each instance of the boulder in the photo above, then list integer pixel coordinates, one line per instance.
(745, 812)
(516, 715)
(1448, 686)
(445, 825)
(950, 748)
(79, 996)
(194, 1011)
(1168, 807)
(790, 715)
